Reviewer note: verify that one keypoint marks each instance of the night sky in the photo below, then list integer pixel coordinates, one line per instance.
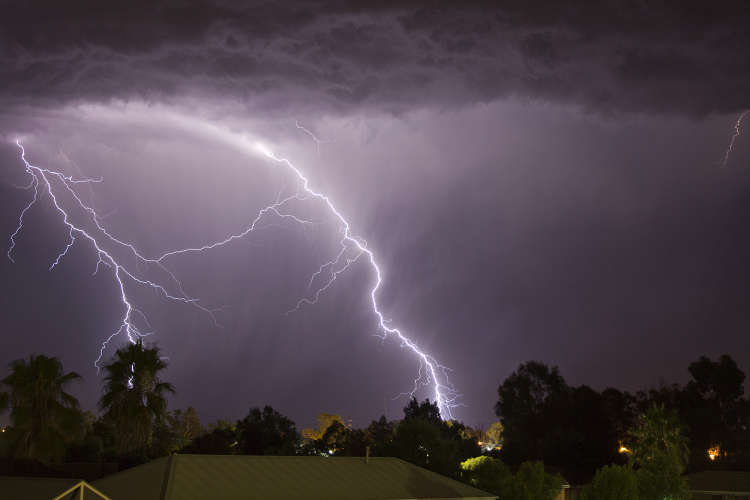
(537, 181)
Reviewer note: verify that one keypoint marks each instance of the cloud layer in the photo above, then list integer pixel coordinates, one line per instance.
(666, 56)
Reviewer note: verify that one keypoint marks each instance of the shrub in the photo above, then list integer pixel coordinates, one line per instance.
(530, 483)
(536, 484)
(612, 482)
(486, 473)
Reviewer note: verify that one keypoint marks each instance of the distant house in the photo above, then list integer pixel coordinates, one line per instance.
(219, 477)
(719, 485)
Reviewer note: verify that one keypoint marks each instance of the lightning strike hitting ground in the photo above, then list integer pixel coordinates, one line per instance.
(736, 134)
(430, 371)
(134, 322)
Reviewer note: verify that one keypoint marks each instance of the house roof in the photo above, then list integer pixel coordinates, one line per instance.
(187, 477)
(720, 482)
(33, 488)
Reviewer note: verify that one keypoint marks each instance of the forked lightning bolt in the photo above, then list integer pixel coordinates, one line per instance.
(315, 139)
(430, 371)
(132, 316)
(735, 135)
(134, 323)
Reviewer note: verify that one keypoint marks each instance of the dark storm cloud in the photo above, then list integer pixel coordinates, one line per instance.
(508, 228)
(687, 57)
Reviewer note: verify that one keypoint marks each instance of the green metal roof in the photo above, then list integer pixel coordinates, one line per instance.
(219, 477)
(143, 482)
(33, 488)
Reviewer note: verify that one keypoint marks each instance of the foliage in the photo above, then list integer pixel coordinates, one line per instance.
(163, 440)
(658, 432)
(325, 420)
(612, 482)
(429, 412)
(521, 406)
(718, 414)
(44, 417)
(717, 381)
(536, 484)
(184, 427)
(660, 453)
(495, 433)
(221, 440)
(266, 432)
(486, 473)
(531, 482)
(380, 435)
(135, 397)
(336, 437)
(575, 429)
(414, 439)
(422, 438)
(90, 447)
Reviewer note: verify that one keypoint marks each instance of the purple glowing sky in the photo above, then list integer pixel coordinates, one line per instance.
(536, 184)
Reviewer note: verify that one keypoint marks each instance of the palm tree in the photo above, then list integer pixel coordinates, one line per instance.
(44, 417)
(134, 396)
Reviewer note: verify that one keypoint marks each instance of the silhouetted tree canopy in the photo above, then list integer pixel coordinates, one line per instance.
(266, 432)
(135, 396)
(380, 433)
(44, 417)
(425, 411)
(714, 408)
(575, 430)
(531, 482)
(424, 439)
(221, 440)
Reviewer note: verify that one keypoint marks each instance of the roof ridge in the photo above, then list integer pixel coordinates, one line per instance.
(275, 457)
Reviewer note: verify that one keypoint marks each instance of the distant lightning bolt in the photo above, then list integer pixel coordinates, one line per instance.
(315, 139)
(35, 185)
(430, 372)
(737, 127)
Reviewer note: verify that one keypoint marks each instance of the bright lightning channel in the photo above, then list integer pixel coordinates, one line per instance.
(737, 128)
(134, 322)
(430, 371)
(129, 322)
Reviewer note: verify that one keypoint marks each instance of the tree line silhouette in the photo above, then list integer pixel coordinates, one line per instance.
(546, 430)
